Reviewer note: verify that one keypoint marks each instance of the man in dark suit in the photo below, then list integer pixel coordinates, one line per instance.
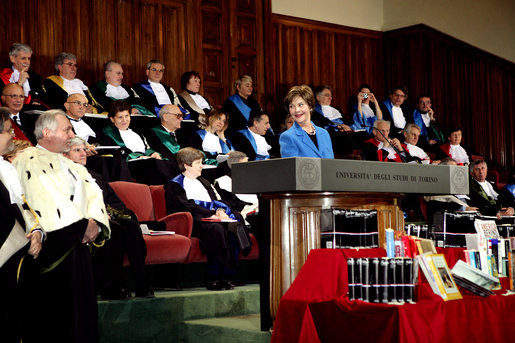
(153, 92)
(13, 98)
(483, 193)
(252, 140)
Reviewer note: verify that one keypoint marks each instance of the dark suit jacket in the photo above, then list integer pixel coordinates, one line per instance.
(478, 198)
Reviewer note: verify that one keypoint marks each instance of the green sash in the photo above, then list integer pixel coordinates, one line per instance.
(165, 138)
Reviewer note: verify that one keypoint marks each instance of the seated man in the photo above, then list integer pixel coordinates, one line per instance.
(431, 134)
(394, 110)
(112, 88)
(71, 211)
(411, 135)
(126, 238)
(453, 149)
(12, 98)
(20, 55)
(163, 139)
(59, 87)
(153, 92)
(75, 106)
(324, 115)
(483, 193)
(252, 140)
(382, 148)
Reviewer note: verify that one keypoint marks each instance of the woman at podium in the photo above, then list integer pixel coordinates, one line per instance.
(304, 139)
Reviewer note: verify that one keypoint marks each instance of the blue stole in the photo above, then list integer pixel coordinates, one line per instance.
(210, 205)
(358, 121)
(244, 108)
(225, 147)
(336, 122)
(389, 106)
(252, 141)
(157, 108)
(511, 189)
(417, 118)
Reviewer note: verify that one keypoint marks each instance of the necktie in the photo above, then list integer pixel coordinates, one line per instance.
(17, 120)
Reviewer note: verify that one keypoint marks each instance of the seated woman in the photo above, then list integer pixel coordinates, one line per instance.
(134, 147)
(191, 100)
(212, 140)
(365, 115)
(453, 149)
(304, 139)
(239, 105)
(221, 242)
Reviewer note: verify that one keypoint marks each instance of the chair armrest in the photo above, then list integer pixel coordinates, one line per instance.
(180, 222)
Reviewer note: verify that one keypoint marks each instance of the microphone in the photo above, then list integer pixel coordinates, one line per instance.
(386, 139)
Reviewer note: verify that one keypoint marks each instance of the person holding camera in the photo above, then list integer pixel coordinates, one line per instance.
(367, 111)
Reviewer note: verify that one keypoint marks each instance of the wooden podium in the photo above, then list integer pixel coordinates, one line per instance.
(294, 190)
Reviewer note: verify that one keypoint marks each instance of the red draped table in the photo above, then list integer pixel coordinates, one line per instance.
(316, 309)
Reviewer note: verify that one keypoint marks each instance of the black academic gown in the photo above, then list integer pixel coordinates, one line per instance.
(237, 120)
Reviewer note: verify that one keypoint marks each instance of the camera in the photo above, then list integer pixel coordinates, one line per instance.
(365, 95)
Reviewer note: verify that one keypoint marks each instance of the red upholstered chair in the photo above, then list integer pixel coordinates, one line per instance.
(160, 249)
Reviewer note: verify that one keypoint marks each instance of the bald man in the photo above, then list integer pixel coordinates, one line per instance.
(13, 98)
(76, 106)
(163, 138)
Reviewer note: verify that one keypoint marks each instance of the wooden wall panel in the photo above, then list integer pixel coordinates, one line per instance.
(314, 53)
(469, 87)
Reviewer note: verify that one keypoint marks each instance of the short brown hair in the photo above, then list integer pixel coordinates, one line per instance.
(304, 92)
(118, 106)
(186, 156)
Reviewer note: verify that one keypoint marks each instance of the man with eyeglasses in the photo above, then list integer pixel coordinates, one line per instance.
(76, 105)
(13, 98)
(112, 88)
(394, 110)
(59, 87)
(153, 92)
(19, 72)
(163, 138)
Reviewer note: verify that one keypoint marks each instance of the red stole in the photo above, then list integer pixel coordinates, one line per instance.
(18, 133)
(380, 154)
(5, 75)
(446, 148)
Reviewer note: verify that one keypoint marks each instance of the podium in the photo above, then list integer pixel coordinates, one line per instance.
(294, 190)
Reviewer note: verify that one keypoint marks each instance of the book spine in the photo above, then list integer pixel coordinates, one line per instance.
(350, 277)
(390, 243)
(383, 279)
(365, 280)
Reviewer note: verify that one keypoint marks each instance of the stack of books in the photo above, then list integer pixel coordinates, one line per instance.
(343, 228)
(381, 280)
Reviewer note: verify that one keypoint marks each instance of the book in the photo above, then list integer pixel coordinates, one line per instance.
(473, 279)
(438, 273)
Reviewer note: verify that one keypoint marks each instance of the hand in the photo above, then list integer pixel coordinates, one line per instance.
(360, 97)
(372, 97)
(220, 213)
(471, 209)
(432, 142)
(156, 156)
(344, 128)
(91, 150)
(24, 75)
(431, 114)
(135, 111)
(396, 143)
(35, 243)
(507, 211)
(91, 231)
(436, 162)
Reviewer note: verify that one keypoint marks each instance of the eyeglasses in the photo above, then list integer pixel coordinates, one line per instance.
(157, 70)
(10, 131)
(15, 96)
(72, 64)
(80, 149)
(78, 103)
(329, 95)
(178, 115)
(399, 95)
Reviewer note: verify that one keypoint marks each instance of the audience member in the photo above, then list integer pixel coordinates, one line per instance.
(430, 133)
(288, 122)
(367, 110)
(324, 115)
(191, 100)
(70, 209)
(112, 88)
(16, 220)
(12, 98)
(382, 148)
(239, 105)
(212, 139)
(304, 139)
(19, 72)
(394, 111)
(483, 193)
(251, 140)
(126, 238)
(17, 147)
(453, 149)
(153, 92)
(411, 136)
(75, 106)
(59, 87)
(221, 242)
(163, 139)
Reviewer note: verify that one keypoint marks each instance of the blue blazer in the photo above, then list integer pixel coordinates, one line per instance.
(295, 142)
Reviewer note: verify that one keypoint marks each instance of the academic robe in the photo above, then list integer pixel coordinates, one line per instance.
(147, 96)
(371, 153)
(162, 142)
(238, 109)
(36, 94)
(506, 196)
(386, 109)
(98, 90)
(244, 141)
(57, 95)
(198, 139)
(478, 198)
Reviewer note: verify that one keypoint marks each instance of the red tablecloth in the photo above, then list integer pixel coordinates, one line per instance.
(316, 309)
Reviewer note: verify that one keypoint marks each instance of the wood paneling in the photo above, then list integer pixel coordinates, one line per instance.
(469, 87)
(315, 53)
